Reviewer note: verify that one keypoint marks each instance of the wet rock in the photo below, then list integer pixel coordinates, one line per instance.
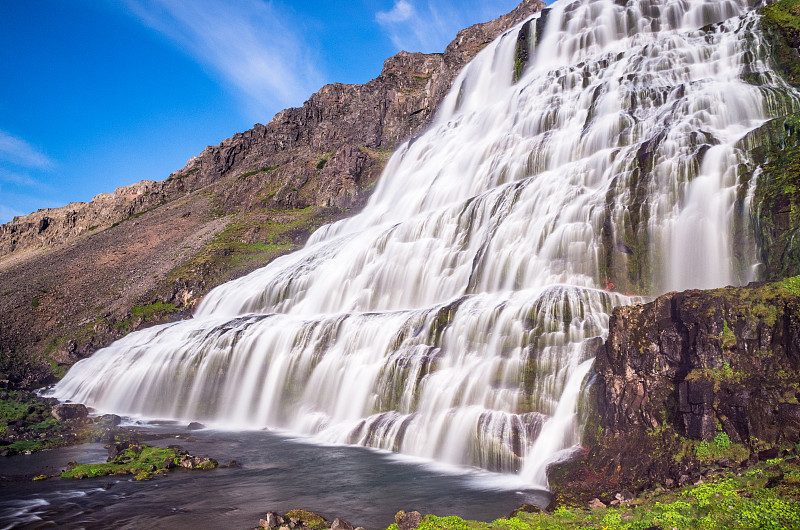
(271, 520)
(342, 524)
(408, 520)
(596, 504)
(116, 449)
(70, 411)
(108, 421)
(195, 426)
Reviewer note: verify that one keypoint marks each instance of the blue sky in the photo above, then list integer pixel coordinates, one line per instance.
(98, 94)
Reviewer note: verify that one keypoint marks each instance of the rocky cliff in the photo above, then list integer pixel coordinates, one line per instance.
(682, 375)
(75, 278)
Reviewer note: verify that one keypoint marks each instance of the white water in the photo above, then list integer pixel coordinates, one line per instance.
(449, 319)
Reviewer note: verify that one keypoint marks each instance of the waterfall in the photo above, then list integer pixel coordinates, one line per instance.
(452, 318)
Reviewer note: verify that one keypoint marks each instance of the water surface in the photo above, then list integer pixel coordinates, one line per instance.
(277, 473)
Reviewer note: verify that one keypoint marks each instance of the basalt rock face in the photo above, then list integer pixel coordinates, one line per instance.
(688, 366)
(71, 277)
(705, 362)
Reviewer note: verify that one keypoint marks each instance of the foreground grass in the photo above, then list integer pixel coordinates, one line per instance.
(764, 496)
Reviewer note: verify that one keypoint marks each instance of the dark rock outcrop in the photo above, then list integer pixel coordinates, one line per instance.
(687, 367)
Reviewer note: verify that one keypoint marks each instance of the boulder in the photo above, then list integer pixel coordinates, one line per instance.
(70, 411)
(596, 504)
(195, 426)
(342, 524)
(271, 520)
(408, 521)
(108, 421)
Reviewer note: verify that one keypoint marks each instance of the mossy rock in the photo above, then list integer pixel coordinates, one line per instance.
(304, 516)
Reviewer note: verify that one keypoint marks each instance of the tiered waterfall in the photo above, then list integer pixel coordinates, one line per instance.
(450, 319)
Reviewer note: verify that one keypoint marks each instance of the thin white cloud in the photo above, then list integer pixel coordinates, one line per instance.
(22, 179)
(7, 213)
(414, 25)
(248, 45)
(19, 152)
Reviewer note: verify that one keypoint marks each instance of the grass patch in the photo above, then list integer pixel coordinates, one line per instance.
(323, 160)
(765, 496)
(250, 240)
(154, 310)
(267, 170)
(142, 461)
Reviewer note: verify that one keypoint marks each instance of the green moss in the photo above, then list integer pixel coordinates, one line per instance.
(323, 161)
(728, 339)
(310, 519)
(140, 461)
(765, 497)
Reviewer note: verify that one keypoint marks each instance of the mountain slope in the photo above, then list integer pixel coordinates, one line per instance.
(75, 278)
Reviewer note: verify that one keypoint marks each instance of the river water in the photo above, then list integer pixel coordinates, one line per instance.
(276, 473)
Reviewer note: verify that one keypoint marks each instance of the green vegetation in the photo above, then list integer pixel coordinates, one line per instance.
(521, 54)
(777, 205)
(309, 518)
(178, 177)
(765, 496)
(142, 461)
(250, 240)
(267, 170)
(154, 310)
(782, 22)
(721, 447)
(26, 419)
(323, 160)
(147, 313)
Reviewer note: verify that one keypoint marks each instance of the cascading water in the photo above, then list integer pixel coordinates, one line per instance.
(450, 319)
